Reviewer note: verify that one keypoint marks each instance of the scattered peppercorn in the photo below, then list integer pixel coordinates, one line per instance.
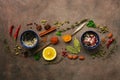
(29, 24)
(39, 28)
(35, 24)
(47, 27)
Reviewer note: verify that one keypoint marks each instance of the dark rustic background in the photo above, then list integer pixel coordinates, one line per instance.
(24, 11)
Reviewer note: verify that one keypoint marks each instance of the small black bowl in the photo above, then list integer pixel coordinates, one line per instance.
(29, 35)
(90, 47)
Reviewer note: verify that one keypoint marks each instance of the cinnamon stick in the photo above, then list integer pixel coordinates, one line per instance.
(47, 31)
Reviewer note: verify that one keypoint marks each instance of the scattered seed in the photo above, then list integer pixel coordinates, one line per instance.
(17, 53)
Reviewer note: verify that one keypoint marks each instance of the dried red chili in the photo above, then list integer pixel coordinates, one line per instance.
(110, 41)
(17, 32)
(11, 30)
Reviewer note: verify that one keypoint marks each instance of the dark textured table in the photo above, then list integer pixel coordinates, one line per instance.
(104, 12)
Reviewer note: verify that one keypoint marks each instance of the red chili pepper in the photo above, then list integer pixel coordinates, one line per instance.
(11, 30)
(110, 41)
(17, 32)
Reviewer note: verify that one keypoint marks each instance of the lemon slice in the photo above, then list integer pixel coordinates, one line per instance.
(49, 53)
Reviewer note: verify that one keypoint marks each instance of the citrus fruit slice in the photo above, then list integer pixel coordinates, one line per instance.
(49, 53)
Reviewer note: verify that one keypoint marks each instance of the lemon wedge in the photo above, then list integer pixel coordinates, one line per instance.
(49, 53)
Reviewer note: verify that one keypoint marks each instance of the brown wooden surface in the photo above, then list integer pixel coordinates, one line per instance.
(25, 11)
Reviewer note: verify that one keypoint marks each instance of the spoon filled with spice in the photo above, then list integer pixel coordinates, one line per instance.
(54, 40)
(68, 37)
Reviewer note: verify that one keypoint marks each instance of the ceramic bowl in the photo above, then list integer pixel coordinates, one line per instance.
(29, 39)
(96, 43)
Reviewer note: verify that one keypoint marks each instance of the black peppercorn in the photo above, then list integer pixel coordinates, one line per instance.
(47, 26)
(39, 27)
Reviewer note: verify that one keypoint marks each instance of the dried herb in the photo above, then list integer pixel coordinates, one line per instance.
(43, 22)
(76, 24)
(77, 44)
(71, 49)
(74, 49)
(58, 33)
(102, 29)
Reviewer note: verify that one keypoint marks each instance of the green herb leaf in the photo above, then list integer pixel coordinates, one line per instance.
(37, 57)
(58, 33)
(91, 24)
(71, 49)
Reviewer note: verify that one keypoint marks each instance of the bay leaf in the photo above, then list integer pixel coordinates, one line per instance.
(77, 44)
(71, 49)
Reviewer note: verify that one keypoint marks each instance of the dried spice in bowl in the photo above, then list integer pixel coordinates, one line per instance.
(29, 39)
